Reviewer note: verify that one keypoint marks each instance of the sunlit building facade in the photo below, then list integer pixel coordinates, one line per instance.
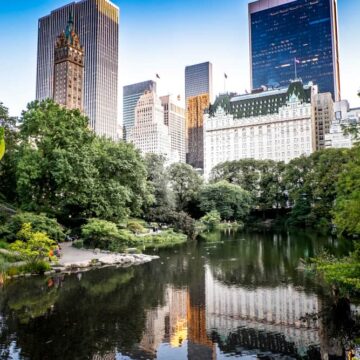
(294, 38)
(68, 68)
(269, 125)
(150, 134)
(324, 117)
(343, 118)
(131, 95)
(174, 118)
(198, 94)
(97, 24)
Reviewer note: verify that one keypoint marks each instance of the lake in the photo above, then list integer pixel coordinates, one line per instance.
(237, 295)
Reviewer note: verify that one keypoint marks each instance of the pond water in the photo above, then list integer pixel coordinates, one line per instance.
(237, 295)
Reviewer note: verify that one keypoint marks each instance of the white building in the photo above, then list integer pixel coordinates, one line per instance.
(150, 134)
(174, 117)
(344, 116)
(273, 124)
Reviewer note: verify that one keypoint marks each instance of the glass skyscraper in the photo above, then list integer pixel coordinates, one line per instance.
(198, 80)
(294, 38)
(97, 24)
(198, 94)
(131, 95)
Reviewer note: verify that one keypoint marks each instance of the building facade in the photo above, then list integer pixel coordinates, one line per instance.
(131, 95)
(174, 118)
(344, 117)
(149, 133)
(69, 69)
(196, 106)
(269, 125)
(97, 24)
(324, 117)
(198, 94)
(294, 38)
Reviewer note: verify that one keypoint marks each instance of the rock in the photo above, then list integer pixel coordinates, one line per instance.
(96, 251)
(27, 275)
(132, 250)
(46, 273)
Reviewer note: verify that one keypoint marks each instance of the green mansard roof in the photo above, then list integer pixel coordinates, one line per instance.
(260, 103)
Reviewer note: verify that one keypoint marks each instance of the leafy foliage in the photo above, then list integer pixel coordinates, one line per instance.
(185, 183)
(40, 223)
(231, 201)
(34, 246)
(211, 220)
(347, 207)
(99, 233)
(65, 170)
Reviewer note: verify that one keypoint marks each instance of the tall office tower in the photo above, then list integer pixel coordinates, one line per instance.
(174, 118)
(68, 68)
(149, 133)
(196, 106)
(131, 95)
(294, 38)
(198, 83)
(97, 24)
(324, 117)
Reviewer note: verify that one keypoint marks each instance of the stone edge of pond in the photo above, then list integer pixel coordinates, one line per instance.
(114, 260)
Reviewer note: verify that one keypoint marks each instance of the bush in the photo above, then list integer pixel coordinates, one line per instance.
(40, 223)
(38, 267)
(211, 220)
(136, 227)
(99, 233)
(34, 246)
(78, 244)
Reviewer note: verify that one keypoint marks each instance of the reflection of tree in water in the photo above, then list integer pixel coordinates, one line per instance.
(107, 309)
(264, 259)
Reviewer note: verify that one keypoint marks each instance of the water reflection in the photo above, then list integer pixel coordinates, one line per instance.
(237, 295)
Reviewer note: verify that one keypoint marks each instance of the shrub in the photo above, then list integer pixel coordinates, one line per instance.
(99, 233)
(211, 220)
(78, 244)
(40, 223)
(136, 227)
(34, 246)
(38, 267)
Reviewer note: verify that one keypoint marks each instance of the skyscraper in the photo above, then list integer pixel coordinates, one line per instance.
(174, 118)
(294, 38)
(68, 68)
(131, 95)
(149, 133)
(198, 94)
(97, 24)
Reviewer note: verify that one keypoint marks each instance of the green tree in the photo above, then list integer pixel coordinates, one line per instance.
(158, 180)
(65, 170)
(231, 201)
(263, 179)
(347, 208)
(34, 246)
(185, 183)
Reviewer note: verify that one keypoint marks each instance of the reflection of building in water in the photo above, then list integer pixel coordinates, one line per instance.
(200, 346)
(107, 356)
(167, 323)
(272, 310)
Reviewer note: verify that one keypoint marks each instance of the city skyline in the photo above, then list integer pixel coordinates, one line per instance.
(223, 27)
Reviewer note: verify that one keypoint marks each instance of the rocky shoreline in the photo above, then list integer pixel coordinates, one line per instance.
(75, 260)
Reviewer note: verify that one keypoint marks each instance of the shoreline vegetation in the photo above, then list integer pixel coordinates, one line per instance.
(59, 180)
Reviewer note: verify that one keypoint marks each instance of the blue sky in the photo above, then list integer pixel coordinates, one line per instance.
(158, 36)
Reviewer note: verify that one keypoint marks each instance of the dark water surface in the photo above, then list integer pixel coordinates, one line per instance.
(237, 295)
